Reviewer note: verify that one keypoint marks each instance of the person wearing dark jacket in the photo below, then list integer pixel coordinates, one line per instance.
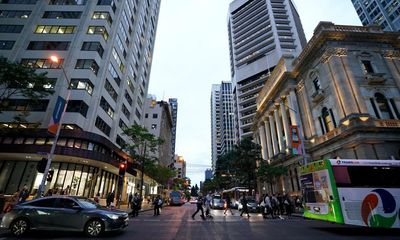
(244, 206)
(199, 205)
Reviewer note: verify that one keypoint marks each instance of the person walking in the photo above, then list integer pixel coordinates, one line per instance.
(245, 209)
(228, 203)
(199, 205)
(207, 203)
(23, 194)
(287, 202)
(268, 207)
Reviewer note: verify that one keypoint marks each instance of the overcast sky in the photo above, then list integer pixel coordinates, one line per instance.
(191, 53)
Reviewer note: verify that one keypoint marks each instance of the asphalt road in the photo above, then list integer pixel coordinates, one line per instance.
(176, 223)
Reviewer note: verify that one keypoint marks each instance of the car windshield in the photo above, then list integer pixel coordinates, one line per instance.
(87, 203)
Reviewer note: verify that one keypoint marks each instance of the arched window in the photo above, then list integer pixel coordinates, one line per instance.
(327, 120)
(383, 106)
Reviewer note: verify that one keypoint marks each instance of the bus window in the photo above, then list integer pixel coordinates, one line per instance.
(316, 188)
(367, 176)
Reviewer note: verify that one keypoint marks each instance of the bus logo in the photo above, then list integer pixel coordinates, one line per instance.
(371, 216)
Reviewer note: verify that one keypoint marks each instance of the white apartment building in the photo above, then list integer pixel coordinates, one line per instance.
(260, 32)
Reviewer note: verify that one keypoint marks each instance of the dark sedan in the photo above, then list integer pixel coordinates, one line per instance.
(64, 213)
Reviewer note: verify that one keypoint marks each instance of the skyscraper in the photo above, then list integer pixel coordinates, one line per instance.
(385, 13)
(260, 32)
(215, 125)
(222, 120)
(106, 49)
(173, 103)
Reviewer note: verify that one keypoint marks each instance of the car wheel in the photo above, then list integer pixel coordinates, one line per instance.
(19, 227)
(94, 228)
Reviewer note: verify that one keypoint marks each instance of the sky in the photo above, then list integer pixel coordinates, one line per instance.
(191, 53)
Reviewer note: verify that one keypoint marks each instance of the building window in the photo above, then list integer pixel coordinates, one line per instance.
(138, 114)
(24, 105)
(109, 88)
(382, 110)
(317, 84)
(6, 45)
(11, 28)
(87, 64)
(32, 2)
(114, 74)
(120, 141)
(59, 46)
(106, 107)
(54, 29)
(101, 30)
(102, 126)
(327, 120)
(126, 111)
(82, 84)
(122, 124)
(61, 15)
(77, 106)
(102, 16)
(14, 14)
(367, 66)
(155, 115)
(67, 2)
(146, 115)
(93, 46)
(128, 98)
(118, 60)
(41, 63)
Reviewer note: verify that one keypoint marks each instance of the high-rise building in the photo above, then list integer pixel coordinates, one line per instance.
(208, 174)
(105, 49)
(385, 13)
(260, 32)
(158, 121)
(215, 125)
(222, 120)
(180, 166)
(173, 103)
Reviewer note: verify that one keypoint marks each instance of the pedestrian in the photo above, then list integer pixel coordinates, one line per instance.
(13, 202)
(157, 205)
(110, 199)
(281, 208)
(23, 194)
(287, 202)
(130, 197)
(199, 205)
(67, 190)
(268, 207)
(245, 209)
(2, 201)
(228, 203)
(49, 193)
(135, 205)
(207, 203)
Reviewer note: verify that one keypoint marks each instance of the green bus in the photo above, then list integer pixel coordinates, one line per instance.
(351, 191)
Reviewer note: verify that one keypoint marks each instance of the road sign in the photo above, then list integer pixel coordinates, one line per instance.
(57, 113)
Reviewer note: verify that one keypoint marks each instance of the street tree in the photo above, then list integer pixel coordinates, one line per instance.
(17, 80)
(141, 145)
(268, 173)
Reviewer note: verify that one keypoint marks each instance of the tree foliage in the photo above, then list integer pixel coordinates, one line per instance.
(267, 172)
(20, 81)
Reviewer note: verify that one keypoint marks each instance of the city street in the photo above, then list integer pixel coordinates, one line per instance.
(176, 223)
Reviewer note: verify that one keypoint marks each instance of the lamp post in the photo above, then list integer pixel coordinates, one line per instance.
(41, 189)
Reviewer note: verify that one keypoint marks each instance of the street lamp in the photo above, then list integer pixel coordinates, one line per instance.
(61, 110)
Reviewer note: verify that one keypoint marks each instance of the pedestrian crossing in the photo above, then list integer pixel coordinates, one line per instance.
(220, 219)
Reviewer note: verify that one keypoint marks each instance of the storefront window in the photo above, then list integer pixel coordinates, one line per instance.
(29, 140)
(84, 145)
(55, 167)
(69, 175)
(19, 140)
(82, 184)
(40, 141)
(61, 142)
(101, 181)
(70, 143)
(77, 143)
(5, 174)
(61, 176)
(76, 180)
(16, 177)
(29, 175)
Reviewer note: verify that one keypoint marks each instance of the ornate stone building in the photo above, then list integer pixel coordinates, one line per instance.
(339, 99)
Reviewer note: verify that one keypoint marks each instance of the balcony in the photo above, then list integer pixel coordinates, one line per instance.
(375, 78)
(318, 95)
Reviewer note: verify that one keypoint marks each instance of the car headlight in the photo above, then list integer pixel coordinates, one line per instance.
(112, 216)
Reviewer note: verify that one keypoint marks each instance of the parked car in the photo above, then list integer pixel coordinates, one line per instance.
(252, 205)
(64, 213)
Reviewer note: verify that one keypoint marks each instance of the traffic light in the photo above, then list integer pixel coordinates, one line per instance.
(50, 175)
(122, 169)
(41, 166)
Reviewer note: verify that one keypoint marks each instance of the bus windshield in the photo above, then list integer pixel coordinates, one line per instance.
(367, 176)
(316, 187)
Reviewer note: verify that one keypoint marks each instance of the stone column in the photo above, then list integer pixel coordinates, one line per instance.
(268, 135)
(261, 131)
(292, 102)
(285, 124)
(279, 129)
(273, 135)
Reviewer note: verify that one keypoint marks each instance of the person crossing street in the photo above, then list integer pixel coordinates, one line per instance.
(199, 205)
